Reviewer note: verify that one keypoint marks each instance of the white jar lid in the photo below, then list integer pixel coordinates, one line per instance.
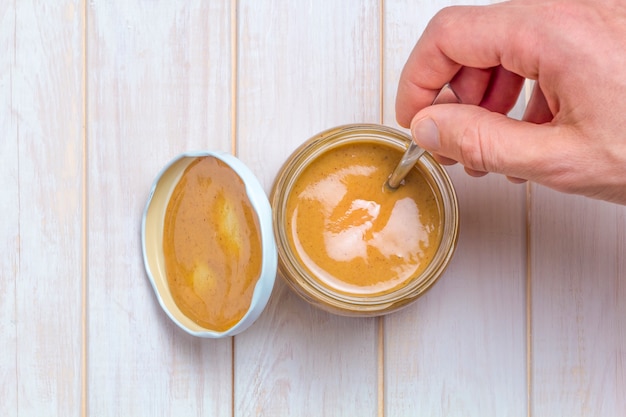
(152, 227)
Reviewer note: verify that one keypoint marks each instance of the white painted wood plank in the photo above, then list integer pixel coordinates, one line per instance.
(9, 221)
(578, 272)
(159, 84)
(303, 68)
(45, 127)
(460, 349)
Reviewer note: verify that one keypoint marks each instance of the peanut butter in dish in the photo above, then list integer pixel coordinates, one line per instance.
(212, 245)
(354, 236)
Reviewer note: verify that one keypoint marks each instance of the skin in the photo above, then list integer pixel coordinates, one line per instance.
(573, 135)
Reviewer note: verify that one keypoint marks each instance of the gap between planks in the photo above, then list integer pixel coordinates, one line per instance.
(528, 87)
(529, 334)
(381, 109)
(234, 39)
(234, 70)
(84, 233)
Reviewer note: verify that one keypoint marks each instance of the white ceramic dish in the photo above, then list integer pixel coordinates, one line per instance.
(152, 242)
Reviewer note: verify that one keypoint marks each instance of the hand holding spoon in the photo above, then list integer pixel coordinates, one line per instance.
(413, 152)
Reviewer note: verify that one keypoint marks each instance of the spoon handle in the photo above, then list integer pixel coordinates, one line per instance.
(413, 152)
(405, 165)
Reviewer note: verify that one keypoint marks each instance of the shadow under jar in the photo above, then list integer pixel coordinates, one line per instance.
(345, 242)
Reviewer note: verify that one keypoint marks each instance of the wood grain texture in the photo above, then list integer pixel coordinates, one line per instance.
(159, 84)
(96, 97)
(578, 305)
(44, 155)
(460, 349)
(9, 206)
(303, 68)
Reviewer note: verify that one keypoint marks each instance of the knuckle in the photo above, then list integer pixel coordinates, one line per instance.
(444, 19)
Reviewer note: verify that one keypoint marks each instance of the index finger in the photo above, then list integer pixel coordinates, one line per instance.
(478, 37)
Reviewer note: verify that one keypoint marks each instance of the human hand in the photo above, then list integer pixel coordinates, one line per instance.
(573, 134)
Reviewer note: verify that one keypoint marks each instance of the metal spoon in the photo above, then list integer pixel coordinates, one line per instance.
(413, 152)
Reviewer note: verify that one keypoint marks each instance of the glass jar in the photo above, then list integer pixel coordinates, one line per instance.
(304, 281)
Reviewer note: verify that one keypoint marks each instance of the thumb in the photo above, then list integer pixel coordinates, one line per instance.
(487, 141)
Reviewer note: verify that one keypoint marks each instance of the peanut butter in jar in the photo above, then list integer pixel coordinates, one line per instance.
(348, 244)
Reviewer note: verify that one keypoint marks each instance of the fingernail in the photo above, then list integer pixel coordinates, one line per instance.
(426, 134)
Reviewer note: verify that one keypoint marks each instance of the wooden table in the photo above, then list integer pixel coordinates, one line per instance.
(96, 96)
